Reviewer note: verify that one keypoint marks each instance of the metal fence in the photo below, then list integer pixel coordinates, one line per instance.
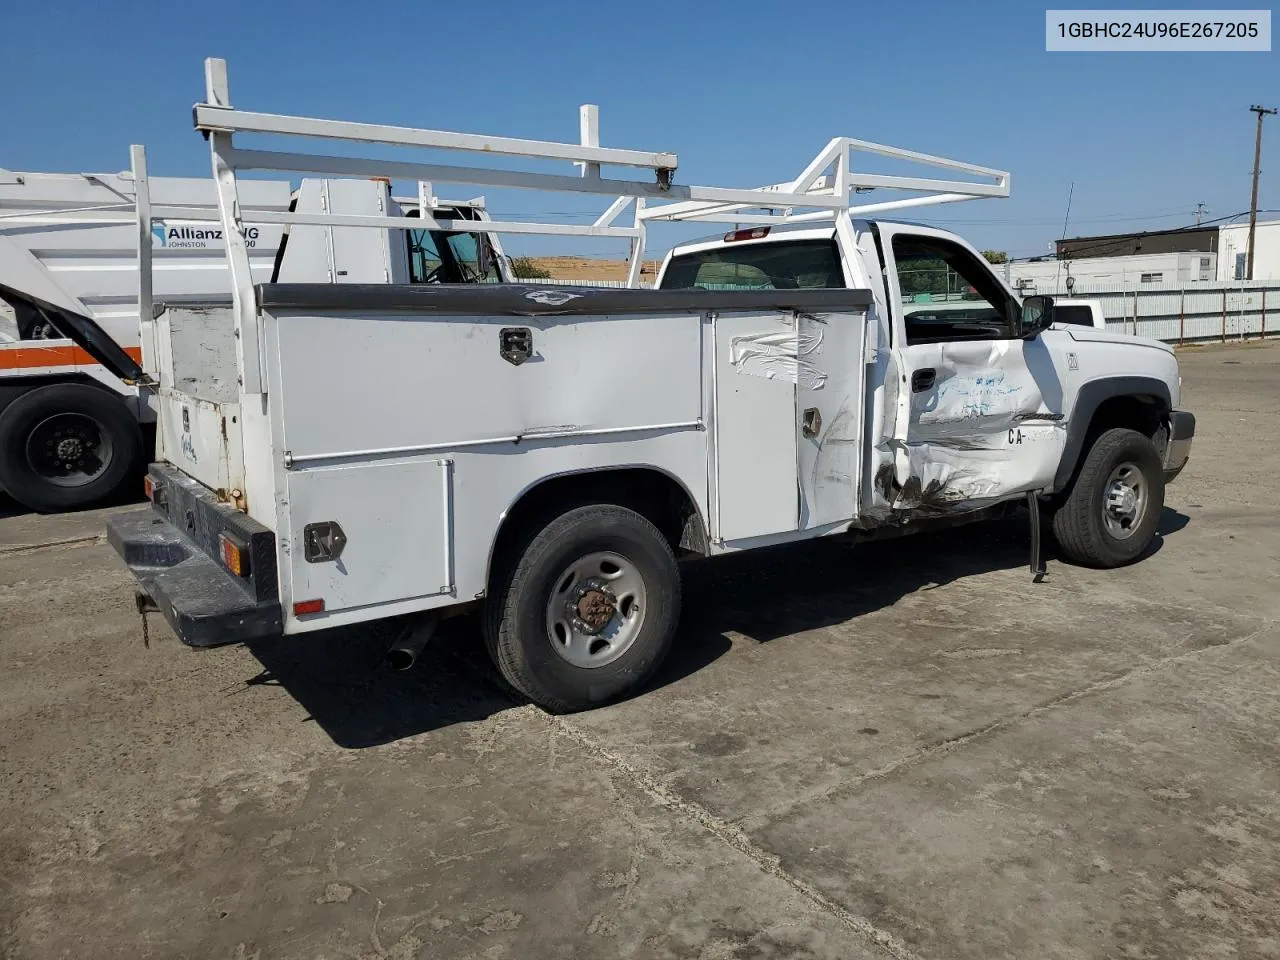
(1192, 311)
(1176, 313)
(588, 283)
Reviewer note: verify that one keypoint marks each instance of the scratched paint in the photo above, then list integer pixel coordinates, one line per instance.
(979, 396)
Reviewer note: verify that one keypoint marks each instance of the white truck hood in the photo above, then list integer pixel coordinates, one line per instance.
(1094, 335)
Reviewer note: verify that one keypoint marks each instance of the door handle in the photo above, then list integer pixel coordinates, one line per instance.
(811, 424)
(922, 380)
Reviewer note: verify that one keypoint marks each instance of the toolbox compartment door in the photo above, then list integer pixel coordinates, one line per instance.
(394, 520)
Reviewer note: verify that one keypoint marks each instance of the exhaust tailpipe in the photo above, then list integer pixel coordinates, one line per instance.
(403, 653)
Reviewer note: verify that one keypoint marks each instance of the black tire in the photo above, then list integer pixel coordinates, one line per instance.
(115, 459)
(1079, 523)
(517, 629)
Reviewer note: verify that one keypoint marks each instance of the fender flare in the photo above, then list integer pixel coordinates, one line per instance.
(699, 536)
(1091, 396)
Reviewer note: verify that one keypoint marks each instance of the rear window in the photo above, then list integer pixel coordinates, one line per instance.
(786, 265)
(1080, 316)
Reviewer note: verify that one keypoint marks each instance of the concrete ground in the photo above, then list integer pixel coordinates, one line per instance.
(916, 753)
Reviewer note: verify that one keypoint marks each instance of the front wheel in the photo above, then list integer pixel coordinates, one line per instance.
(585, 611)
(1110, 515)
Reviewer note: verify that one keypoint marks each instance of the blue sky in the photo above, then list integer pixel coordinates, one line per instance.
(745, 92)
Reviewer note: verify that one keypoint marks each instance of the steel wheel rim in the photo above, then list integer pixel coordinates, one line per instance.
(69, 449)
(596, 609)
(1124, 501)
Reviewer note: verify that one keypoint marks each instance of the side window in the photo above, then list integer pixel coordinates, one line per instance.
(948, 294)
(424, 259)
(466, 252)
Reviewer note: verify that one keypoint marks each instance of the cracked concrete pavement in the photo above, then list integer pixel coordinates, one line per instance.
(898, 750)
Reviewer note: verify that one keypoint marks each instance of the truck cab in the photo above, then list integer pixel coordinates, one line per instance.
(969, 405)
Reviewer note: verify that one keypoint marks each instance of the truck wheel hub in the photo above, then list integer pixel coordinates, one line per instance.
(1122, 501)
(1126, 501)
(70, 450)
(592, 606)
(596, 609)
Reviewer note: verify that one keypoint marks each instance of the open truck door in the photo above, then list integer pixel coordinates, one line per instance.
(981, 415)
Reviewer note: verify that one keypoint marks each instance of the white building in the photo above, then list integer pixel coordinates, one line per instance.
(1233, 245)
(1182, 257)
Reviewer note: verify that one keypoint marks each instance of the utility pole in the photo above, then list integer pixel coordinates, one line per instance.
(1253, 202)
(1199, 212)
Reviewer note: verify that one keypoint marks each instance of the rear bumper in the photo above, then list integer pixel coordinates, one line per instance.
(1182, 430)
(205, 604)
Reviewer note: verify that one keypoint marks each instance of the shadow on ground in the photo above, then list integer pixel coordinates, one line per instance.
(10, 507)
(340, 678)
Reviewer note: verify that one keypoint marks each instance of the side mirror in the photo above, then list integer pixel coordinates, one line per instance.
(1037, 316)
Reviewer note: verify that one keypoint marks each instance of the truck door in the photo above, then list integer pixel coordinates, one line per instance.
(980, 410)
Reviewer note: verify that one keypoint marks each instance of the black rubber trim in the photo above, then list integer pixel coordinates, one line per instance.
(1091, 396)
(523, 300)
(1182, 425)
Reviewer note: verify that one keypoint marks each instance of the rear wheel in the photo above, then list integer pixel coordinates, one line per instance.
(583, 611)
(1110, 515)
(67, 446)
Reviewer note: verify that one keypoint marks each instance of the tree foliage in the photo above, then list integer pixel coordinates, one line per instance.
(526, 268)
(995, 256)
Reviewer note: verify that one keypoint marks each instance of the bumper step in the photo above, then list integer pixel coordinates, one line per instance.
(205, 605)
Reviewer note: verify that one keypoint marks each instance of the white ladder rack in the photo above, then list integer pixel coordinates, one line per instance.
(824, 190)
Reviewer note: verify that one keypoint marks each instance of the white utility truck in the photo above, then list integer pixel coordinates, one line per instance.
(544, 454)
(69, 249)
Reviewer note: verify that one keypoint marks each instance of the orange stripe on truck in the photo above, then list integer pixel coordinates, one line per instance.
(26, 358)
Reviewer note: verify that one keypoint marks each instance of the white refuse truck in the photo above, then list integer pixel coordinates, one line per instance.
(543, 455)
(72, 432)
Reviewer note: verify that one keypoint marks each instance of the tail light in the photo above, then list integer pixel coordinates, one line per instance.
(235, 554)
(304, 607)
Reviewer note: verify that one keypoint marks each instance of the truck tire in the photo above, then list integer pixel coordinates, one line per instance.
(584, 609)
(67, 446)
(1110, 514)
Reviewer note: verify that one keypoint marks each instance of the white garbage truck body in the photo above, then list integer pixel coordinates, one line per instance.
(70, 248)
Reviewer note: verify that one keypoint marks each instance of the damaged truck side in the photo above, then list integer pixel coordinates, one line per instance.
(545, 454)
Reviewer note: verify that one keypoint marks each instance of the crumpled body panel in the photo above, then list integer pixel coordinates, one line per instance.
(989, 427)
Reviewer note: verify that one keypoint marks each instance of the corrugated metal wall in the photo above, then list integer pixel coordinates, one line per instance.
(1186, 312)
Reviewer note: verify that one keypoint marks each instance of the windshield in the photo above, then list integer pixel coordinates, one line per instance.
(777, 265)
(441, 256)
